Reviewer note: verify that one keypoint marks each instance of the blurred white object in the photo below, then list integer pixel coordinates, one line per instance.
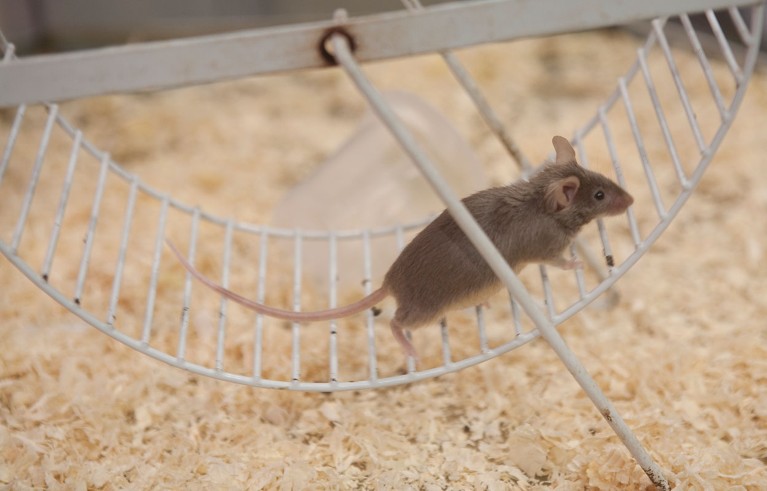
(370, 182)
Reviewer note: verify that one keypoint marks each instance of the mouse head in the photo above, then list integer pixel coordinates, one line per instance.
(576, 194)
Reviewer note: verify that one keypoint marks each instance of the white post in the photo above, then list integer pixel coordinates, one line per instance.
(494, 259)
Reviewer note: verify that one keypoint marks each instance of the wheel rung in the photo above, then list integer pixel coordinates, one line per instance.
(63, 200)
(295, 357)
(661, 117)
(746, 36)
(14, 134)
(724, 44)
(92, 222)
(705, 65)
(223, 305)
(187, 300)
(333, 303)
(683, 96)
(159, 241)
(651, 181)
(127, 222)
(34, 179)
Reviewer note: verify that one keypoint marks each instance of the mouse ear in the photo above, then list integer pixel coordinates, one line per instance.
(565, 152)
(560, 194)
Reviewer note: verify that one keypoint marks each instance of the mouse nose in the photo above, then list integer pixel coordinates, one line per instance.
(620, 203)
(629, 200)
(624, 202)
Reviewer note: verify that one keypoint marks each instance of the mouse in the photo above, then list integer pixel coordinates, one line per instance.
(532, 220)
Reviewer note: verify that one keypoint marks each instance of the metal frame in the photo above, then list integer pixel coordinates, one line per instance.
(494, 258)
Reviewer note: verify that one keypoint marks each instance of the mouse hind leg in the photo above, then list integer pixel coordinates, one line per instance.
(398, 331)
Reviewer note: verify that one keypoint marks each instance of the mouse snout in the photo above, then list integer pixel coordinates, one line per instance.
(621, 202)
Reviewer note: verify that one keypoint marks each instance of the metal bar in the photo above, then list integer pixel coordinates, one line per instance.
(651, 181)
(34, 179)
(3, 41)
(12, 136)
(95, 212)
(705, 65)
(367, 272)
(607, 251)
(116, 282)
(662, 121)
(146, 330)
(746, 37)
(579, 278)
(446, 355)
(295, 358)
(485, 110)
(548, 295)
(663, 42)
(480, 311)
(487, 113)
(495, 260)
(411, 362)
(516, 322)
(332, 303)
(258, 345)
(9, 50)
(63, 200)
(622, 182)
(203, 59)
(399, 235)
(184, 331)
(724, 44)
(222, 309)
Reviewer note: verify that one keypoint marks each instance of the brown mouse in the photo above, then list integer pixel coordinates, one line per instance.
(530, 221)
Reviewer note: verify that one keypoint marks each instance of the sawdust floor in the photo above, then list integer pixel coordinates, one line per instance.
(683, 356)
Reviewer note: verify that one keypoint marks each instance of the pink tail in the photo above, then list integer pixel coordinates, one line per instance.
(319, 315)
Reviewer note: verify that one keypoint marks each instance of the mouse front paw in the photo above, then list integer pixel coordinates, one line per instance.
(567, 264)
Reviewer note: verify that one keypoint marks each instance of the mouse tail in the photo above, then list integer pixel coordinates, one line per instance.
(316, 316)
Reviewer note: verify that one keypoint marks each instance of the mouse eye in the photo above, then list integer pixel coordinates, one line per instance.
(599, 195)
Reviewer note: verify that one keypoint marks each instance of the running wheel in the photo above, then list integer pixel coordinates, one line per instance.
(246, 349)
